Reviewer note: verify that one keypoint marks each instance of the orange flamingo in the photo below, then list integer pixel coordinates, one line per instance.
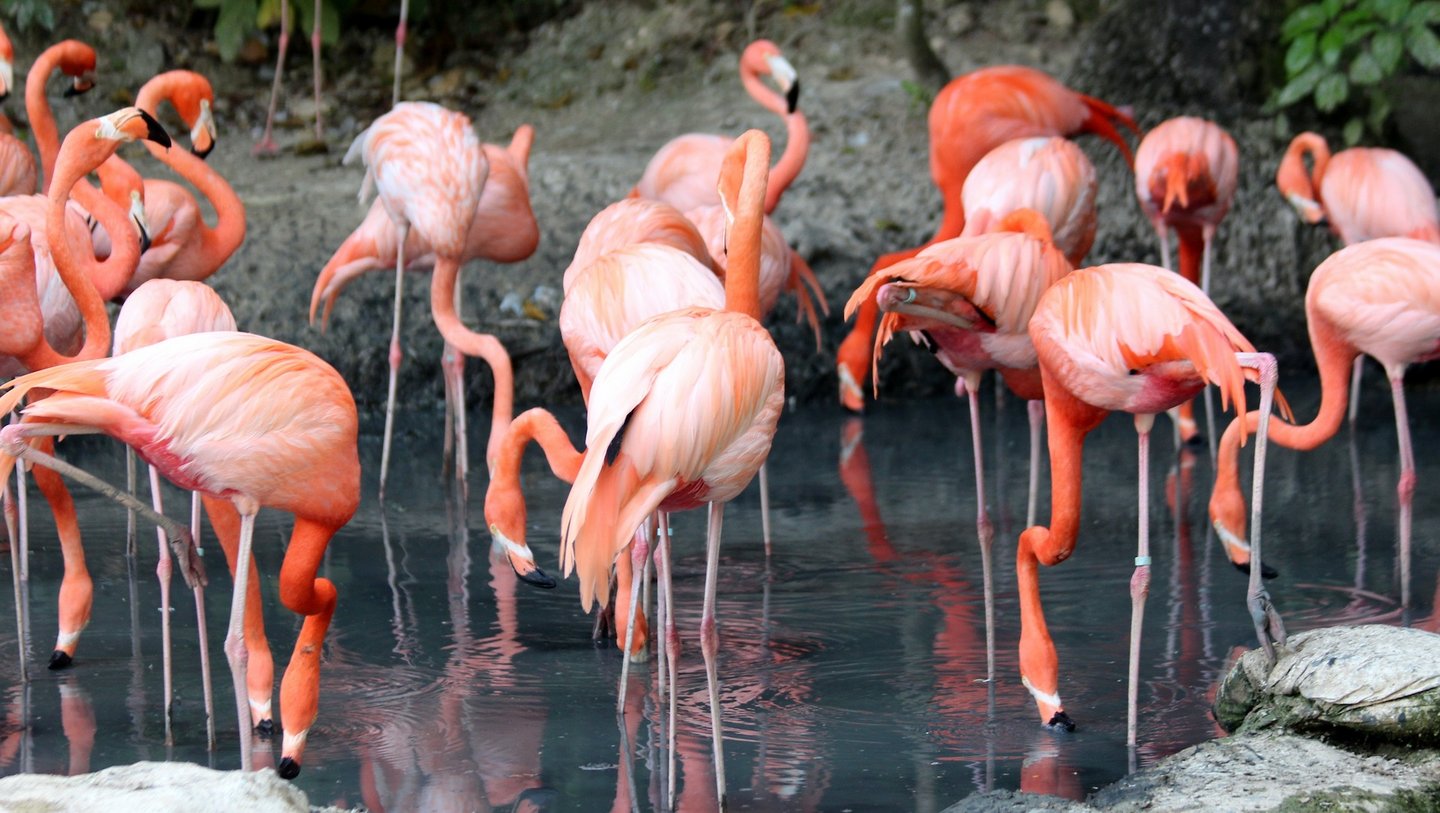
(1363, 193)
(176, 402)
(156, 311)
(971, 299)
(40, 330)
(76, 60)
(636, 220)
(1139, 339)
(184, 246)
(972, 115)
(689, 401)
(266, 145)
(17, 167)
(502, 229)
(1050, 175)
(1186, 171)
(1379, 298)
(683, 172)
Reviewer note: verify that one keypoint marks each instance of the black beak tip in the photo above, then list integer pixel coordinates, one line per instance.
(538, 578)
(202, 153)
(71, 92)
(154, 131)
(5, 95)
(60, 660)
(1061, 722)
(144, 241)
(792, 97)
(289, 768)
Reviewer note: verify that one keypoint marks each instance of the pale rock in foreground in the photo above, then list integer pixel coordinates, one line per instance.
(152, 787)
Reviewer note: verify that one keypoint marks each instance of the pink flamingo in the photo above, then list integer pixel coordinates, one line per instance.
(1139, 339)
(76, 60)
(972, 115)
(689, 402)
(156, 311)
(970, 300)
(266, 145)
(1379, 298)
(43, 325)
(17, 167)
(175, 403)
(502, 229)
(683, 172)
(1186, 171)
(1050, 175)
(1363, 193)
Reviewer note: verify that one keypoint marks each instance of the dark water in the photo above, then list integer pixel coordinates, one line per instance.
(852, 669)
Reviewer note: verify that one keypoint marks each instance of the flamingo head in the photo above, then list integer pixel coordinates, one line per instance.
(77, 60)
(1309, 210)
(1227, 514)
(505, 515)
(763, 57)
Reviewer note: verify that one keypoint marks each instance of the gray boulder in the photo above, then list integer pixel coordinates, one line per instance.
(152, 787)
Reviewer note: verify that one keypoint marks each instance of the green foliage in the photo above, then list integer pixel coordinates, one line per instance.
(1339, 50)
(26, 13)
(238, 19)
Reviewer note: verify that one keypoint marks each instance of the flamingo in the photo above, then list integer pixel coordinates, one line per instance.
(1186, 171)
(76, 60)
(1363, 193)
(503, 229)
(1047, 174)
(1140, 339)
(157, 310)
(17, 168)
(972, 115)
(971, 298)
(1379, 298)
(266, 145)
(682, 173)
(42, 326)
(682, 413)
(223, 413)
(184, 247)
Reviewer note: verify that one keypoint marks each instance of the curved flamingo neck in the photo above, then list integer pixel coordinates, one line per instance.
(111, 275)
(218, 243)
(163, 87)
(792, 160)
(467, 341)
(37, 108)
(68, 171)
(746, 207)
(1319, 152)
(540, 426)
(762, 93)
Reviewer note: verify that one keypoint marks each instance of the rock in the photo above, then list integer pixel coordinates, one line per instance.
(1378, 681)
(1009, 801)
(152, 787)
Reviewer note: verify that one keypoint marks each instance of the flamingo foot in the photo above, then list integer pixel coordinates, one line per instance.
(289, 768)
(265, 729)
(1061, 722)
(1269, 629)
(265, 148)
(60, 659)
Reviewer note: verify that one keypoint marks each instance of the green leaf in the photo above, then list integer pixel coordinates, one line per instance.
(1300, 54)
(1424, 46)
(1301, 86)
(1379, 111)
(1332, 8)
(235, 21)
(1388, 47)
(1391, 11)
(1303, 20)
(1354, 128)
(268, 15)
(1360, 32)
(329, 21)
(1331, 92)
(1365, 70)
(207, 3)
(1423, 14)
(1332, 45)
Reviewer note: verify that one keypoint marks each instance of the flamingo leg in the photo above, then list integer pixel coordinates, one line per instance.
(765, 508)
(266, 144)
(315, 31)
(129, 513)
(12, 529)
(260, 669)
(1036, 410)
(1405, 489)
(22, 508)
(1269, 629)
(672, 647)
(1140, 579)
(1356, 373)
(462, 440)
(235, 649)
(162, 573)
(710, 643)
(970, 384)
(395, 355)
(206, 685)
(639, 555)
(399, 51)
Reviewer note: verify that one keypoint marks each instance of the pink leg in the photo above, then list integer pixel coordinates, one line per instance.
(12, 528)
(162, 572)
(206, 686)
(640, 561)
(395, 355)
(1140, 579)
(1405, 490)
(672, 649)
(710, 643)
(1355, 374)
(1037, 425)
(970, 385)
(319, 76)
(399, 51)
(266, 144)
(765, 509)
(235, 650)
(1269, 629)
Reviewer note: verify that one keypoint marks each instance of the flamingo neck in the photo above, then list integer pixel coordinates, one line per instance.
(787, 169)
(163, 87)
(538, 425)
(482, 345)
(742, 276)
(762, 93)
(218, 243)
(37, 108)
(1294, 163)
(75, 274)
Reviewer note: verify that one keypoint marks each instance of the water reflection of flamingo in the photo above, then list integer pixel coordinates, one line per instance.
(1139, 339)
(1379, 298)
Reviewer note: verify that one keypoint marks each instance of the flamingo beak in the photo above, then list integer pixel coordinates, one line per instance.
(787, 78)
(137, 214)
(202, 135)
(522, 560)
(82, 84)
(7, 76)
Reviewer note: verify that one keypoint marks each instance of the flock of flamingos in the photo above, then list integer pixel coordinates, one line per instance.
(663, 320)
